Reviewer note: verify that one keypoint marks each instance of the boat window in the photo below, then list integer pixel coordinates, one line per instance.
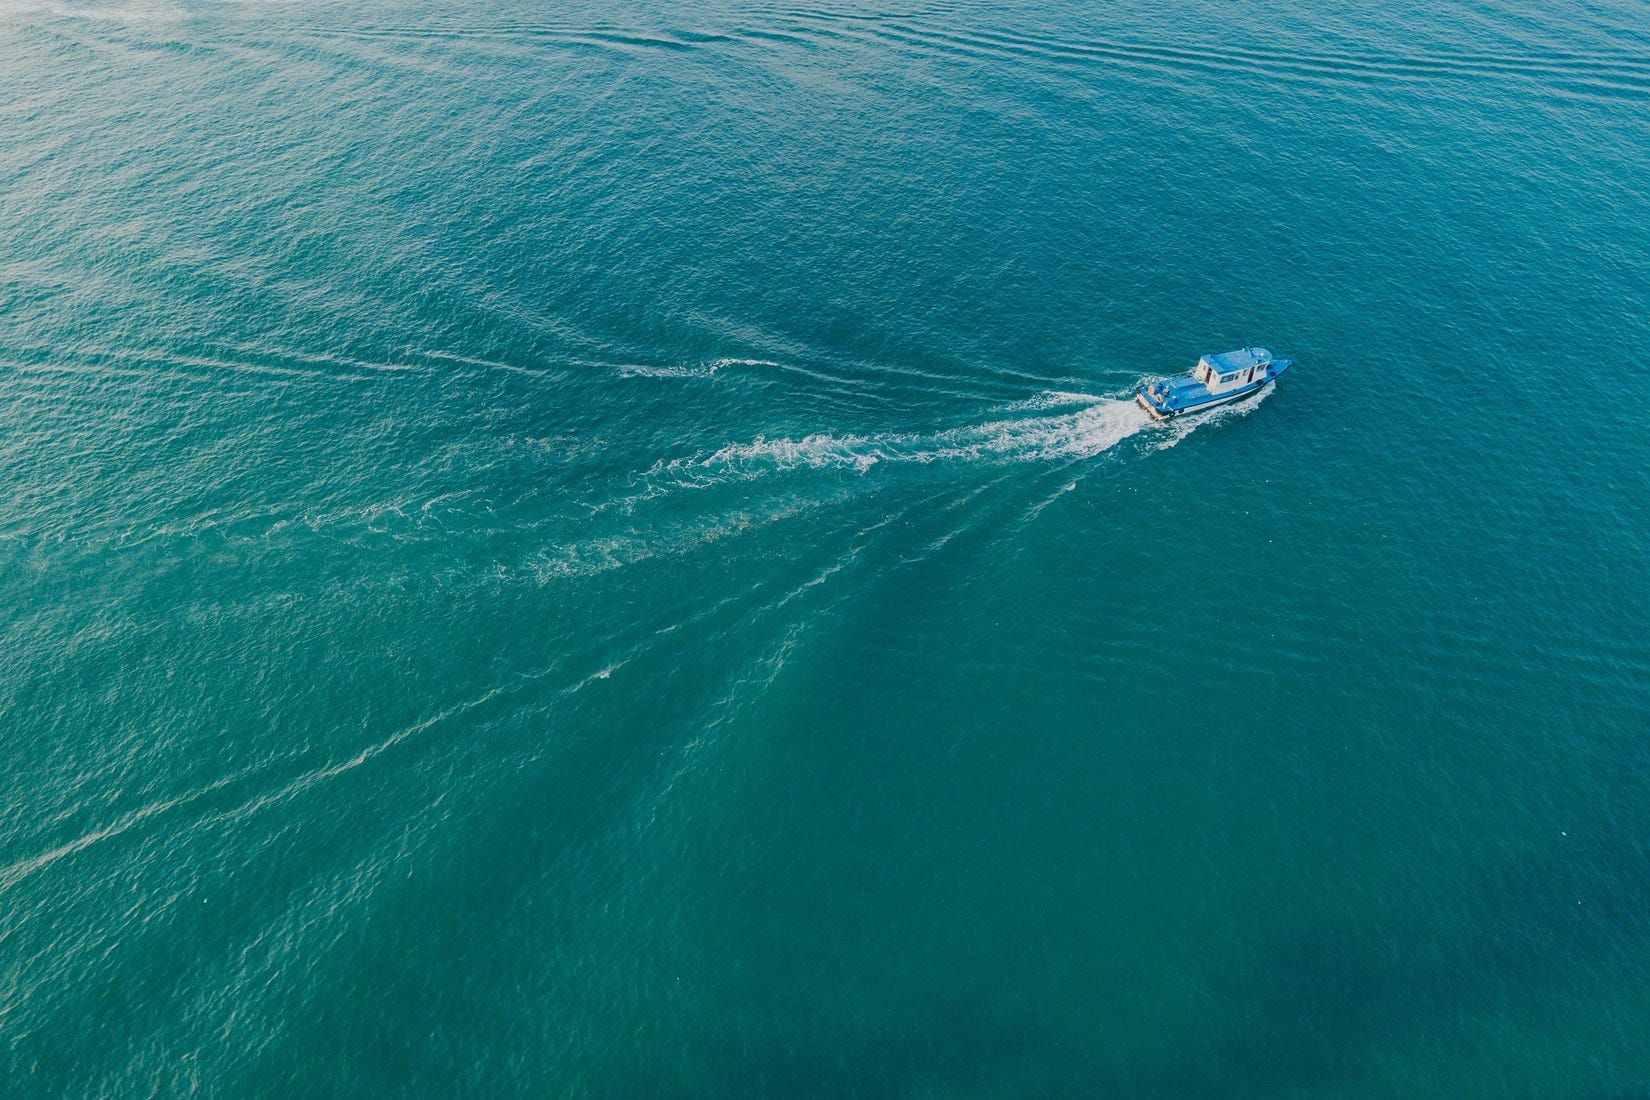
(1228, 377)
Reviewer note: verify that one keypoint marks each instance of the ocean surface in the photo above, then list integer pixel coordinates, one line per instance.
(603, 549)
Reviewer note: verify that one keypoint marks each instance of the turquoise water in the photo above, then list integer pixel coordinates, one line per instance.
(604, 551)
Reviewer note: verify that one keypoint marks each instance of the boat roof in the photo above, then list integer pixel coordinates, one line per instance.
(1241, 359)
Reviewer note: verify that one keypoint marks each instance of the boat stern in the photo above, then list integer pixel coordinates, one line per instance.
(1151, 403)
(1166, 397)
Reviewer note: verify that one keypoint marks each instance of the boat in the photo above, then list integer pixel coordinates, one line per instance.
(1216, 380)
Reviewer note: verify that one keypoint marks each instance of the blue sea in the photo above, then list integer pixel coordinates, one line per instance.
(604, 550)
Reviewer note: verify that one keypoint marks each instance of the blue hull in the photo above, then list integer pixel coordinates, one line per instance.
(1173, 397)
(1160, 412)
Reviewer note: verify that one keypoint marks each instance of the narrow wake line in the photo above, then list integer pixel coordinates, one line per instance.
(102, 360)
(487, 364)
(16, 872)
(1037, 508)
(845, 375)
(698, 370)
(326, 359)
(763, 669)
(295, 786)
(299, 364)
(631, 548)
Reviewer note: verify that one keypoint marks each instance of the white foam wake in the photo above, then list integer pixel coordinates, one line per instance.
(699, 370)
(1097, 424)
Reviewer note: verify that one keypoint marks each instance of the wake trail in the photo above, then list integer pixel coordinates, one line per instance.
(1054, 425)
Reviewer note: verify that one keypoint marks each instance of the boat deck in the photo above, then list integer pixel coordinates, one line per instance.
(1166, 397)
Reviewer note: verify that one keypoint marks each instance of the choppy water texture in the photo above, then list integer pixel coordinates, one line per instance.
(602, 549)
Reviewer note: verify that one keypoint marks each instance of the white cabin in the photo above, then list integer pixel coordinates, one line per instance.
(1232, 370)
